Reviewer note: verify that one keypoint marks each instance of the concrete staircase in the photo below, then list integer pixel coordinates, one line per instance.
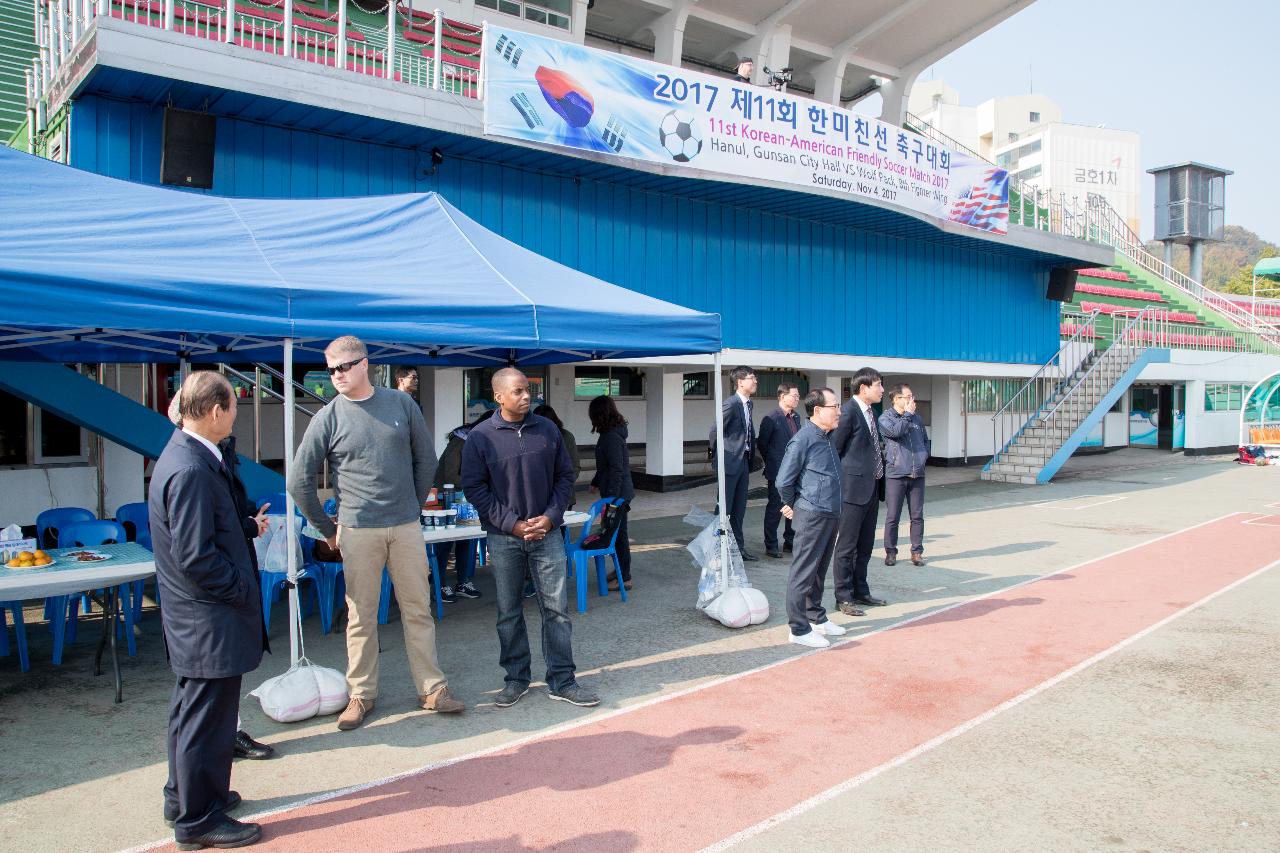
(1064, 410)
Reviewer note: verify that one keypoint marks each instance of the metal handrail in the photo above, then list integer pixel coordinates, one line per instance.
(297, 386)
(1039, 388)
(269, 391)
(1092, 373)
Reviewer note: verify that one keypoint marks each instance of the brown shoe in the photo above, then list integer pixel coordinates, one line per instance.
(353, 716)
(848, 608)
(613, 584)
(441, 701)
(917, 559)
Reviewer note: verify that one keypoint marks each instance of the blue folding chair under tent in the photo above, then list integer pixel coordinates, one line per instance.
(162, 275)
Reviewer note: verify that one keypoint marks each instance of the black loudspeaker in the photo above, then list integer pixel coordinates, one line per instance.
(1062, 284)
(187, 157)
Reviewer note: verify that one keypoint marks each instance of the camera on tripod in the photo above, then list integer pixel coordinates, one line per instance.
(780, 78)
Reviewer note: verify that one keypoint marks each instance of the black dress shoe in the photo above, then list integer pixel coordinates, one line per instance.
(749, 558)
(233, 802)
(773, 552)
(890, 559)
(848, 609)
(870, 600)
(787, 547)
(247, 747)
(229, 833)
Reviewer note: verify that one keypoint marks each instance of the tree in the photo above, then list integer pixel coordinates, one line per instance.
(1242, 281)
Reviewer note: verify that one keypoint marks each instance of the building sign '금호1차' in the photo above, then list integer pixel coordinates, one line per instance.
(564, 94)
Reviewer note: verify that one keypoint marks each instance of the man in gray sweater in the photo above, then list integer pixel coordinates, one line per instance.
(382, 461)
(809, 483)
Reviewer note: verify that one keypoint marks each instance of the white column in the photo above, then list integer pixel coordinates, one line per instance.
(664, 421)
(230, 13)
(668, 36)
(435, 60)
(440, 393)
(288, 29)
(342, 35)
(389, 59)
(823, 379)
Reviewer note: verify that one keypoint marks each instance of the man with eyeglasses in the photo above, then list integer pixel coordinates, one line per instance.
(380, 454)
(809, 483)
(906, 450)
(776, 430)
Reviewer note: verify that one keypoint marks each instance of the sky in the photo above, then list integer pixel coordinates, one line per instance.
(1198, 81)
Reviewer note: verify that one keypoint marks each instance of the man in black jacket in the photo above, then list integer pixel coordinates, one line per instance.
(516, 472)
(212, 614)
(857, 440)
(741, 450)
(778, 428)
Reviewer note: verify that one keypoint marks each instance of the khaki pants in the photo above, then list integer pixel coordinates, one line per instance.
(365, 550)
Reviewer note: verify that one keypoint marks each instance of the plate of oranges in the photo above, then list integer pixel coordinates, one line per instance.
(30, 560)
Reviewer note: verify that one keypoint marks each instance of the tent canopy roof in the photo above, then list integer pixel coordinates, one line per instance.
(96, 269)
(1267, 266)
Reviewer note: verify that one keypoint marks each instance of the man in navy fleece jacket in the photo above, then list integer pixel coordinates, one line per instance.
(517, 473)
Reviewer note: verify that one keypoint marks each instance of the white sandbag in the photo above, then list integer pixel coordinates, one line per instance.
(290, 697)
(757, 602)
(333, 689)
(731, 609)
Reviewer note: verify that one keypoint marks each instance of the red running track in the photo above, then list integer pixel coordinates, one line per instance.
(685, 773)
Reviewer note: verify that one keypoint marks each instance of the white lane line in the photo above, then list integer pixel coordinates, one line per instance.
(934, 589)
(667, 697)
(845, 787)
(1099, 503)
(1264, 521)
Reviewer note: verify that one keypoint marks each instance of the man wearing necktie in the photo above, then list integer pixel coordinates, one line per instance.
(741, 451)
(778, 428)
(212, 614)
(857, 440)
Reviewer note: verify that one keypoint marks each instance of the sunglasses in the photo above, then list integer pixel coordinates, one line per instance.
(345, 366)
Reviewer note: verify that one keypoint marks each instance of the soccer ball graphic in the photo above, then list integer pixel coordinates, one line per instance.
(679, 134)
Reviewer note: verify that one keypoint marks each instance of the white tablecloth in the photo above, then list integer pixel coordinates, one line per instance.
(475, 531)
(129, 562)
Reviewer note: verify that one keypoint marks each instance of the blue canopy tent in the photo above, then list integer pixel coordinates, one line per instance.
(94, 269)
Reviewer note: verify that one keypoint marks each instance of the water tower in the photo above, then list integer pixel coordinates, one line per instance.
(1189, 209)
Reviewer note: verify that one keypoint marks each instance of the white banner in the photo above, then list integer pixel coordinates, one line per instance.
(568, 95)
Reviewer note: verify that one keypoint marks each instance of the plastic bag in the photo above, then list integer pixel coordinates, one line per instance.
(303, 692)
(705, 549)
(273, 546)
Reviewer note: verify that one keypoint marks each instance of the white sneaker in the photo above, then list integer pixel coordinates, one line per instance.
(831, 629)
(813, 640)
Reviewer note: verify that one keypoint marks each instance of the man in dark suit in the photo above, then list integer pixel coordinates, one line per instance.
(212, 614)
(857, 440)
(741, 451)
(778, 428)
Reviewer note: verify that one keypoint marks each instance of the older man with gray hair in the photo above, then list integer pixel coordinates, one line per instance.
(379, 451)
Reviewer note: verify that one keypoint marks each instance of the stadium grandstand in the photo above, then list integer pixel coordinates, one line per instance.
(958, 294)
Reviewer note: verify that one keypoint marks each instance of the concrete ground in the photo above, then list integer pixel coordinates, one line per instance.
(1167, 744)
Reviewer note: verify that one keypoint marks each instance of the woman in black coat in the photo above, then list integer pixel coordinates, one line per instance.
(613, 472)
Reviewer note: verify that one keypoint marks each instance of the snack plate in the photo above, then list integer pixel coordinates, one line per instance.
(86, 557)
(53, 561)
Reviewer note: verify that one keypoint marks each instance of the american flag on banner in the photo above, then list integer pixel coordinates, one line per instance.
(985, 205)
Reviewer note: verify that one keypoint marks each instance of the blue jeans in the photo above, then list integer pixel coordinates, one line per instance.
(510, 558)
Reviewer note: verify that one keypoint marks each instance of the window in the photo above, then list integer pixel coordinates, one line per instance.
(987, 396)
(622, 382)
(553, 13)
(1013, 137)
(1035, 118)
(1027, 174)
(31, 436)
(1224, 398)
(767, 382)
(697, 386)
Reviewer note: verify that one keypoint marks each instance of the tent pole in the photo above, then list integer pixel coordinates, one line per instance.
(290, 527)
(724, 531)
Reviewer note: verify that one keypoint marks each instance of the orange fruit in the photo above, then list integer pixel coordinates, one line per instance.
(15, 563)
(26, 555)
(41, 555)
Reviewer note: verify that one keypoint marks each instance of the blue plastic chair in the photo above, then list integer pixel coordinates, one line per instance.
(51, 521)
(64, 610)
(135, 515)
(577, 557)
(19, 630)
